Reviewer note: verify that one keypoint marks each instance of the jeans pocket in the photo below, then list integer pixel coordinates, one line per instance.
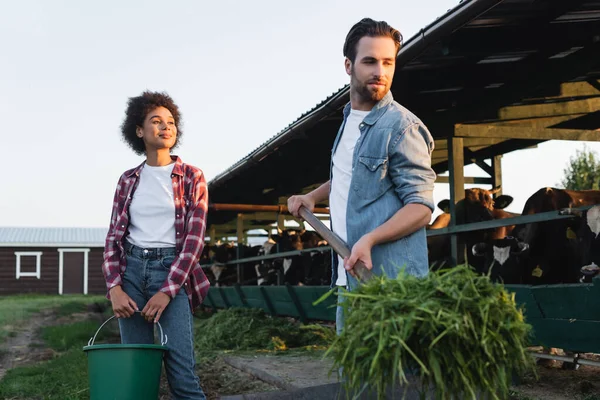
(167, 261)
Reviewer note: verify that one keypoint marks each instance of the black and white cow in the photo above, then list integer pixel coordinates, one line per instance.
(559, 249)
(502, 259)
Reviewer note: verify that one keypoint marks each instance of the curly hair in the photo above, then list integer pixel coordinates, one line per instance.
(136, 112)
(371, 28)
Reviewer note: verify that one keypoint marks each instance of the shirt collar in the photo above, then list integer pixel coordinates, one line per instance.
(177, 169)
(376, 112)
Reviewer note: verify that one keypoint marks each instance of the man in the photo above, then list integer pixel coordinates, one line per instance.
(381, 182)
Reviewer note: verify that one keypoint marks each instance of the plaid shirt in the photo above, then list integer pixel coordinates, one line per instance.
(190, 226)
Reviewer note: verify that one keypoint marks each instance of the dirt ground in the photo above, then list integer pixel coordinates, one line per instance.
(24, 347)
(555, 383)
(217, 379)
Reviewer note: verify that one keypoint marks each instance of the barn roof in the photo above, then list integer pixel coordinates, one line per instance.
(484, 61)
(52, 237)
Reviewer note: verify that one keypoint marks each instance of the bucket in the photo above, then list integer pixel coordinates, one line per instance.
(124, 371)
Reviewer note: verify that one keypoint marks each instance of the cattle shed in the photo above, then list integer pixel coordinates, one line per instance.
(487, 78)
(51, 260)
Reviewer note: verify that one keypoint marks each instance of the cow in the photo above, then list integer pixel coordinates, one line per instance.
(588, 238)
(288, 270)
(317, 263)
(558, 249)
(308, 268)
(227, 274)
(502, 259)
(477, 206)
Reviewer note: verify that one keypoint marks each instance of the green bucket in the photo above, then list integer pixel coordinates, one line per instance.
(124, 371)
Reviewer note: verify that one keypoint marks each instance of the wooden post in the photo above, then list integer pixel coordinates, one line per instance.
(240, 242)
(497, 174)
(280, 229)
(456, 163)
(213, 235)
(281, 222)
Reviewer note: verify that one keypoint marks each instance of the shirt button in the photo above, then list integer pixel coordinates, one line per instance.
(177, 215)
(362, 125)
(122, 226)
(178, 233)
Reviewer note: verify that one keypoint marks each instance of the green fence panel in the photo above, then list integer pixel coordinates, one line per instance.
(574, 301)
(524, 298)
(573, 335)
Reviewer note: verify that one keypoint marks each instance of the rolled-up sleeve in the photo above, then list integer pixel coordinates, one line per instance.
(410, 165)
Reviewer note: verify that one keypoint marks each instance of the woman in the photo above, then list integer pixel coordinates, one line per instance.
(155, 239)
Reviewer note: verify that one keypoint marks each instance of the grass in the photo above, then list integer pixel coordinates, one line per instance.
(14, 309)
(76, 335)
(63, 378)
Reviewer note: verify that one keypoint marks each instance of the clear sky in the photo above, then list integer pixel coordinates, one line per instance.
(240, 71)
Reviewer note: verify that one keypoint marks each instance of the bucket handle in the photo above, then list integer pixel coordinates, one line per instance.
(163, 337)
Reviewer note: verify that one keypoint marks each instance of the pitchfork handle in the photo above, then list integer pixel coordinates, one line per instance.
(337, 244)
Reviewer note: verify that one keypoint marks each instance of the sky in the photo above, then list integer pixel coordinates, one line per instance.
(240, 72)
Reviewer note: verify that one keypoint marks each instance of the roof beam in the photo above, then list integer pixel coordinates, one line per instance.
(491, 151)
(525, 132)
(472, 143)
(569, 108)
(473, 180)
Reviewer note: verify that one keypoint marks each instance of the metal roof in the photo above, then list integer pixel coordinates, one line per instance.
(467, 66)
(52, 237)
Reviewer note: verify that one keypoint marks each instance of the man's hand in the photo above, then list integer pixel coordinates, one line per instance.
(155, 307)
(295, 202)
(123, 306)
(360, 251)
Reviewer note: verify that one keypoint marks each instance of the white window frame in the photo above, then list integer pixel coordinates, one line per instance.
(38, 264)
(61, 261)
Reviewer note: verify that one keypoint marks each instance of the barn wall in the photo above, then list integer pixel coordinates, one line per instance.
(48, 282)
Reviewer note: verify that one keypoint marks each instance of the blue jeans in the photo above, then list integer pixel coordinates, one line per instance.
(339, 314)
(147, 270)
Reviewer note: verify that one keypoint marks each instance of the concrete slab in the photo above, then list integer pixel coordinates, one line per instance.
(286, 372)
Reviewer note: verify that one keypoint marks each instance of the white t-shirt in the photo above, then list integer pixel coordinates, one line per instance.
(152, 209)
(340, 181)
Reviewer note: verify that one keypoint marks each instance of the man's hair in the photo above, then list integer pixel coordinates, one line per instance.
(137, 110)
(371, 28)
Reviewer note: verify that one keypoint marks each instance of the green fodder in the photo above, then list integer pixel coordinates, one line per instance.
(456, 330)
(252, 329)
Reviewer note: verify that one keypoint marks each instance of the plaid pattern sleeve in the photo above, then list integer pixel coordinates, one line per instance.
(111, 266)
(190, 233)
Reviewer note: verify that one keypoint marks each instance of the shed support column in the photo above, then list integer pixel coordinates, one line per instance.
(456, 163)
(213, 235)
(497, 175)
(240, 242)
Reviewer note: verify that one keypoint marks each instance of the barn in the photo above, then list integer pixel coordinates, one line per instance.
(51, 260)
(489, 77)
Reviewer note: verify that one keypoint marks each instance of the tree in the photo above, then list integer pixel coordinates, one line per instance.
(583, 171)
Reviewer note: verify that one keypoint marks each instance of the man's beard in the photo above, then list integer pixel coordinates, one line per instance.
(365, 93)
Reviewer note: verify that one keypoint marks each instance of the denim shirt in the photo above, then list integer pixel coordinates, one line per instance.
(391, 168)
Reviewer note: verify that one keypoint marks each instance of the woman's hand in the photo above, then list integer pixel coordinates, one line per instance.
(123, 306)
(155, 306)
